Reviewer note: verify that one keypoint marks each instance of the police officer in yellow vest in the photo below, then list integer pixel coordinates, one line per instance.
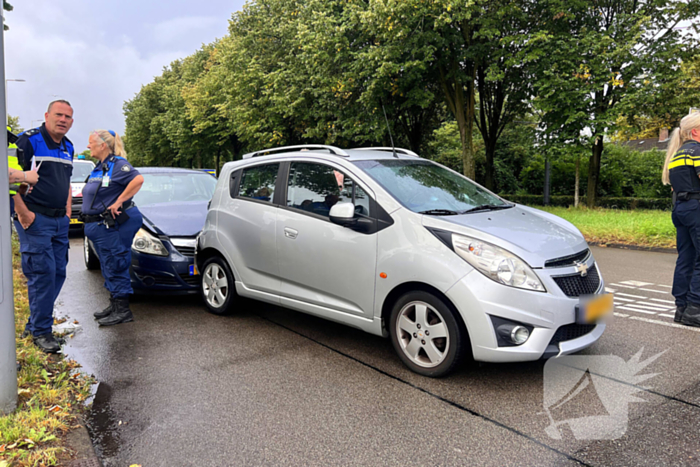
(16, 174)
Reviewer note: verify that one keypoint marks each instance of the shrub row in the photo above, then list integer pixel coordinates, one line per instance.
(604, 202)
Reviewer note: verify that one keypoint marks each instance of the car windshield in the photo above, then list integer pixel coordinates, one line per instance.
(81, 170)
(159, 188)
(426, 187)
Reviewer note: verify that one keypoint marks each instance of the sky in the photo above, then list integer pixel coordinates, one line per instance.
(98, 54)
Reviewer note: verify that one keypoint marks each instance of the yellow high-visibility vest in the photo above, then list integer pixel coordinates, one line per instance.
(13, 163)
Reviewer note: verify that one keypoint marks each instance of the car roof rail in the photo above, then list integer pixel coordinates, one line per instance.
(301, 147)
(390, 149)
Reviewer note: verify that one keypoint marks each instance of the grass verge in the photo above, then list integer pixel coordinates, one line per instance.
(51, 395)
(645, 228)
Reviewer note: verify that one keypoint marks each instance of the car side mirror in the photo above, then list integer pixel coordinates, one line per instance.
(343, 214)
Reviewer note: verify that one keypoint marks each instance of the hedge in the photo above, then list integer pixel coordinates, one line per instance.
(604, 202)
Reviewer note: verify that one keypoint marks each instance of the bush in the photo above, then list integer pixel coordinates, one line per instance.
(605, 202)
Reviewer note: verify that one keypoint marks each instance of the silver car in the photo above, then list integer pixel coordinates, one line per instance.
(402, 247)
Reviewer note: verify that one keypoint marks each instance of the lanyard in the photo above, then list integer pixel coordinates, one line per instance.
(106, 173)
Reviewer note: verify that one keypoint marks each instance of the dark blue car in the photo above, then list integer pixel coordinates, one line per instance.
(174, 206)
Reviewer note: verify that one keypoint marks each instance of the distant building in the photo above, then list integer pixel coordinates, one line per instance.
(648, 144)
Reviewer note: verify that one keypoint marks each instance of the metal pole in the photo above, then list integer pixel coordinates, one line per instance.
(8, 353)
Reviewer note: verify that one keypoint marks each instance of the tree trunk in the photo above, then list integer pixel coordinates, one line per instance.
(461, 102)
(489, 180)
(578, 177)
(594, 171)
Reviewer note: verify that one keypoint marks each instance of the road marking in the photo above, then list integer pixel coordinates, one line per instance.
(625, 286)
(630, 295)
(609, 290)
(624, 299)
(663, 301)
(667, 316)
(648, 307)
(664, 323)
(655, 291)
(621, 315)
(665, 286)
(638, 311)
(636, 283)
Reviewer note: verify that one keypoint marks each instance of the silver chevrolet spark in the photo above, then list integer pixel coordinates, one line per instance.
(399, 246)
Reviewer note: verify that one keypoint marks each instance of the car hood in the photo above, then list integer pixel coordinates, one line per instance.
(533, 235)
(175, 219)
(77, 188)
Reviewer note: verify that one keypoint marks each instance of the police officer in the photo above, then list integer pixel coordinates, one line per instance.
(42, 218)
(111, 220)
(682, 172)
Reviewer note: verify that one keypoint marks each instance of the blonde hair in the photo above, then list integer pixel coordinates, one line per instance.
(113, 141)
(679, 135)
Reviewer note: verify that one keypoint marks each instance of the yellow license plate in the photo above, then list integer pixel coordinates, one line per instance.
(597, 308)
(75, 221)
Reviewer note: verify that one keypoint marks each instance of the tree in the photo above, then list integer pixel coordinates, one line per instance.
(13, 123)
(7, 7)
(594, 57)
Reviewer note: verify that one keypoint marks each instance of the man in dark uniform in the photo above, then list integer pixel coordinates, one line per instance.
(43, 218)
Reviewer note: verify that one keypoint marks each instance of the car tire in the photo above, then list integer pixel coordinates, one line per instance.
(92, 261)
(414, 317)
(218, 287)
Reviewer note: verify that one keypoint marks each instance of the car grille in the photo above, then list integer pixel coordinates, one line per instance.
(191, 280)
(567, 260)
(76, 207)
(575, 285)
(571, 331)
(185, 250)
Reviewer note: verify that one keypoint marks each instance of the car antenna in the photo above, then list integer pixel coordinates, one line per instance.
(393, 148)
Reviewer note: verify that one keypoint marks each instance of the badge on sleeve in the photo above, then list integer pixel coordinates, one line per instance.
(125, 168)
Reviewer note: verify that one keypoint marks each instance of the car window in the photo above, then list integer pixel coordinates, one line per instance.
(317, 187)
(259, 182)
(160, 188)
(81, 171)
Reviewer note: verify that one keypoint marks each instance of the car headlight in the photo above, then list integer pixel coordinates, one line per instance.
(144, 242)
(496, 263)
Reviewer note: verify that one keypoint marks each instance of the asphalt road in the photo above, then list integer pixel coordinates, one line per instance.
(268, 386)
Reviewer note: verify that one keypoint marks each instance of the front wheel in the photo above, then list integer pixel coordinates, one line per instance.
(218, 287)
(92, 261)
(426, 334)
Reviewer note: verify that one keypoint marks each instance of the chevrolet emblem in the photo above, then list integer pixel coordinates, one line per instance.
(582, 269)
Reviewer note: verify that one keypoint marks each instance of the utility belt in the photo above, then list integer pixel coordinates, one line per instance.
(50, 212)
(106, 217)
(685, 196)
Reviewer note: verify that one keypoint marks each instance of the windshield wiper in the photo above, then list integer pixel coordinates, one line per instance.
(488, 207)
(439, 212)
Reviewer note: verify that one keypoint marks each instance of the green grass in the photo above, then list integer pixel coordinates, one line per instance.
(638, 227)
(51, 395)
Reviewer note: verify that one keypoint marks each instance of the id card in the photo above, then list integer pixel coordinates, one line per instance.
(105, 181)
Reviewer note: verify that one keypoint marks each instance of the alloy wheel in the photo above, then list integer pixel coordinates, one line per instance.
(422, 334)
(215, 285)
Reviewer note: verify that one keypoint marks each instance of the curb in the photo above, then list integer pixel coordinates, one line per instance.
(622, 246)
(79, 441)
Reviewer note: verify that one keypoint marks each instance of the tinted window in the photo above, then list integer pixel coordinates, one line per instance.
(316, 188)
(424, 186)
(161, 188)
(259, 182)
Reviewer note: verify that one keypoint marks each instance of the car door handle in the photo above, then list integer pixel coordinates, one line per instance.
(290, 233)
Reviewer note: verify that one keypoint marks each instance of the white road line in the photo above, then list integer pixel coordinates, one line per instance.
(665, 323)
(656, 291)
(667, 316)
(635, 309)
(665, 286)
(636, 283)
(630, 295)
(625, 286)
(609, 290)
(624, 299)
(652, 306)
(621, 315)
(663, 301)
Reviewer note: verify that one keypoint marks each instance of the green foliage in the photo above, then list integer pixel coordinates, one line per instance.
(13, 123)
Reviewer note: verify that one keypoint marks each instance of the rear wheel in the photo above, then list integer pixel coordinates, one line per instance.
(92, 261)
(218, 287)
(426, 334)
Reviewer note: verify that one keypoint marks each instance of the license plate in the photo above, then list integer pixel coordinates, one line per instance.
(591, 310)
(193, 270)
(75, 221)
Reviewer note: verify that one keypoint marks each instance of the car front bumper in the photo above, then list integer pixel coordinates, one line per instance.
(170, 274)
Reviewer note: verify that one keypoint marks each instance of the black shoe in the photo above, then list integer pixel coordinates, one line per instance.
(679, 313)
(121, 314)
(25, 334)
(691, 317)
(47, 343)
(107, 311)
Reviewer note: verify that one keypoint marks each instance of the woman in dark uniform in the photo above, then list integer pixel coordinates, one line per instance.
(112, 220)
(682, 172)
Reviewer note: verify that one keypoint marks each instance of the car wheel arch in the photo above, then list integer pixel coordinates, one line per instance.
(401, 289)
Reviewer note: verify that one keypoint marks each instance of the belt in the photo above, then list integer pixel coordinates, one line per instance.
(50, 212)
(685, 196)
(88, 218)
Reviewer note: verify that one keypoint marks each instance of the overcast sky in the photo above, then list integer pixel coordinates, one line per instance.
(98, 54)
